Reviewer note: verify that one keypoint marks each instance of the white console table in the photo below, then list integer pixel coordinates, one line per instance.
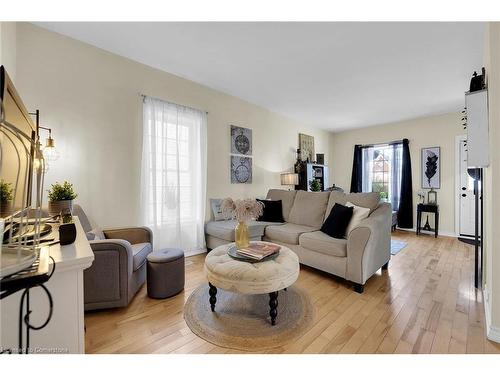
(65, 331)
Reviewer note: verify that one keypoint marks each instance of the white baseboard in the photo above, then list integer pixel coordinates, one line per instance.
(492, 332)
(445, 234)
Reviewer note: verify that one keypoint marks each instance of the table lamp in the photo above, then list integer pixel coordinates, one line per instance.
(289, 179)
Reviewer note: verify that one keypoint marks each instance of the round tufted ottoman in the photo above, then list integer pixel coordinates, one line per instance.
(165, 273)
(251, 278)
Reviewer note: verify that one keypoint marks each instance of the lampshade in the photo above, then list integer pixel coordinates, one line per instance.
(289, 179)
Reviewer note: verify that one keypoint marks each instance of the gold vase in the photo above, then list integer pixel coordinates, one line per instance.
(241, 235)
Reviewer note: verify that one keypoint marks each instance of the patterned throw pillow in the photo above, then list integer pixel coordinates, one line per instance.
(216, 210)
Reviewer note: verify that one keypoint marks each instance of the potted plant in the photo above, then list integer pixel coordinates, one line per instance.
(61, 198)
(315, 185)
(6, 196)
(384, 197)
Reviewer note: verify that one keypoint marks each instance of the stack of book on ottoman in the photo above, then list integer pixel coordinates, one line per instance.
(259, 250)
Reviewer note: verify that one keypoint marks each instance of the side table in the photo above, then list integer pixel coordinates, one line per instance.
(428, 208)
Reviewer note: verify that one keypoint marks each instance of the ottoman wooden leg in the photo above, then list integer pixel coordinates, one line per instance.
(273, 305)
(213, 292)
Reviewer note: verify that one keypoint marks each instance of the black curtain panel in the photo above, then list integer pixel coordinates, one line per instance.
(357, 171)
(405, 213)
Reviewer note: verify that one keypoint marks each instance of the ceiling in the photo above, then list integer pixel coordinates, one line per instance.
(334, 75)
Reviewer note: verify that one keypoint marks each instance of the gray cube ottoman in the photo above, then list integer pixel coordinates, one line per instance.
(165, 273)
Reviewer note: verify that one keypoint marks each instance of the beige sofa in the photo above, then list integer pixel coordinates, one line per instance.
(356, 258)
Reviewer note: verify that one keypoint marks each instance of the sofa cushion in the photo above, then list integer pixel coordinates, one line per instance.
(367, 200)
(272, 211)
(285, 196)
(287, 233)
(140, 251)
(323, 243)
(225, 229)
(309, 208)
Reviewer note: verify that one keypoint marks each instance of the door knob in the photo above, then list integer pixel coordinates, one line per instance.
(463, 188)
(464, 195)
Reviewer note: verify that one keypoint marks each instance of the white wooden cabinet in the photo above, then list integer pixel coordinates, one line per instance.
(65, 331)
(478, 155)
(317, 172)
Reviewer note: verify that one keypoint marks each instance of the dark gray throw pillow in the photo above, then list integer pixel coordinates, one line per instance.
(273, 211)
(337, 222)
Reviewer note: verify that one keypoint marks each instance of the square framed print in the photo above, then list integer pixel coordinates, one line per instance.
(241, 140)
(241, 170)
(431, 167)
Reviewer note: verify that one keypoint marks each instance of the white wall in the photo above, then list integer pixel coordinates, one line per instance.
(438, 130)
(492, 182)
(90, 98)
(8, 48)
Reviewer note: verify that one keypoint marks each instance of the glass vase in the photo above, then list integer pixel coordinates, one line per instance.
(241, 235)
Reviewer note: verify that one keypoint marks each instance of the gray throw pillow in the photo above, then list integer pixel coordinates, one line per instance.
(95, 234)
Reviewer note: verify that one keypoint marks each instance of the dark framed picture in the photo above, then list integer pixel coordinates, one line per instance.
(241, 170)
(241, 140)
(431, 167)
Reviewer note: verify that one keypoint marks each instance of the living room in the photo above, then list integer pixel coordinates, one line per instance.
(341, 156)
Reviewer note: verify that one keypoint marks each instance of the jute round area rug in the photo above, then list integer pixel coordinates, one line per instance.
(242, 321)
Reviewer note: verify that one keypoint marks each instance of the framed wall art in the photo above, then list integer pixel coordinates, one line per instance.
(306, 145)
(241, 140)
(431, 167)
(241, 170)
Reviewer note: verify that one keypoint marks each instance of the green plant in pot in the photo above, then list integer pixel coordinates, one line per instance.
(61, 198)
(384, 197)
(6, 197)
(315, 185)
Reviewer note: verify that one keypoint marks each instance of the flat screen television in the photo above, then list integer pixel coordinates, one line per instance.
(15, 168)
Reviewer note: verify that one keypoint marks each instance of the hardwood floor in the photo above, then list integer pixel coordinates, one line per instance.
(425, 303)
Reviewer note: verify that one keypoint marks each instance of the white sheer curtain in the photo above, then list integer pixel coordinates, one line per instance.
(173, 175)
(396, 159)
(367, 158)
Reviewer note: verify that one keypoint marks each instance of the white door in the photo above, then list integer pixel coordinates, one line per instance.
(466, 194)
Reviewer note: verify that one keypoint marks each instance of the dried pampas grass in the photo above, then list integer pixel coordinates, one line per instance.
(241, 209)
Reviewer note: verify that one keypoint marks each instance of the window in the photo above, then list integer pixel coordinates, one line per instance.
(382, 171)
(173, 187)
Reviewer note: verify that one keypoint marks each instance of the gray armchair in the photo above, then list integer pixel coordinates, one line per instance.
(119, 268)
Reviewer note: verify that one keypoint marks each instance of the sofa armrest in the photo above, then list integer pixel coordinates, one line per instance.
(106, 282)
(131, 234)
(369, 245)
